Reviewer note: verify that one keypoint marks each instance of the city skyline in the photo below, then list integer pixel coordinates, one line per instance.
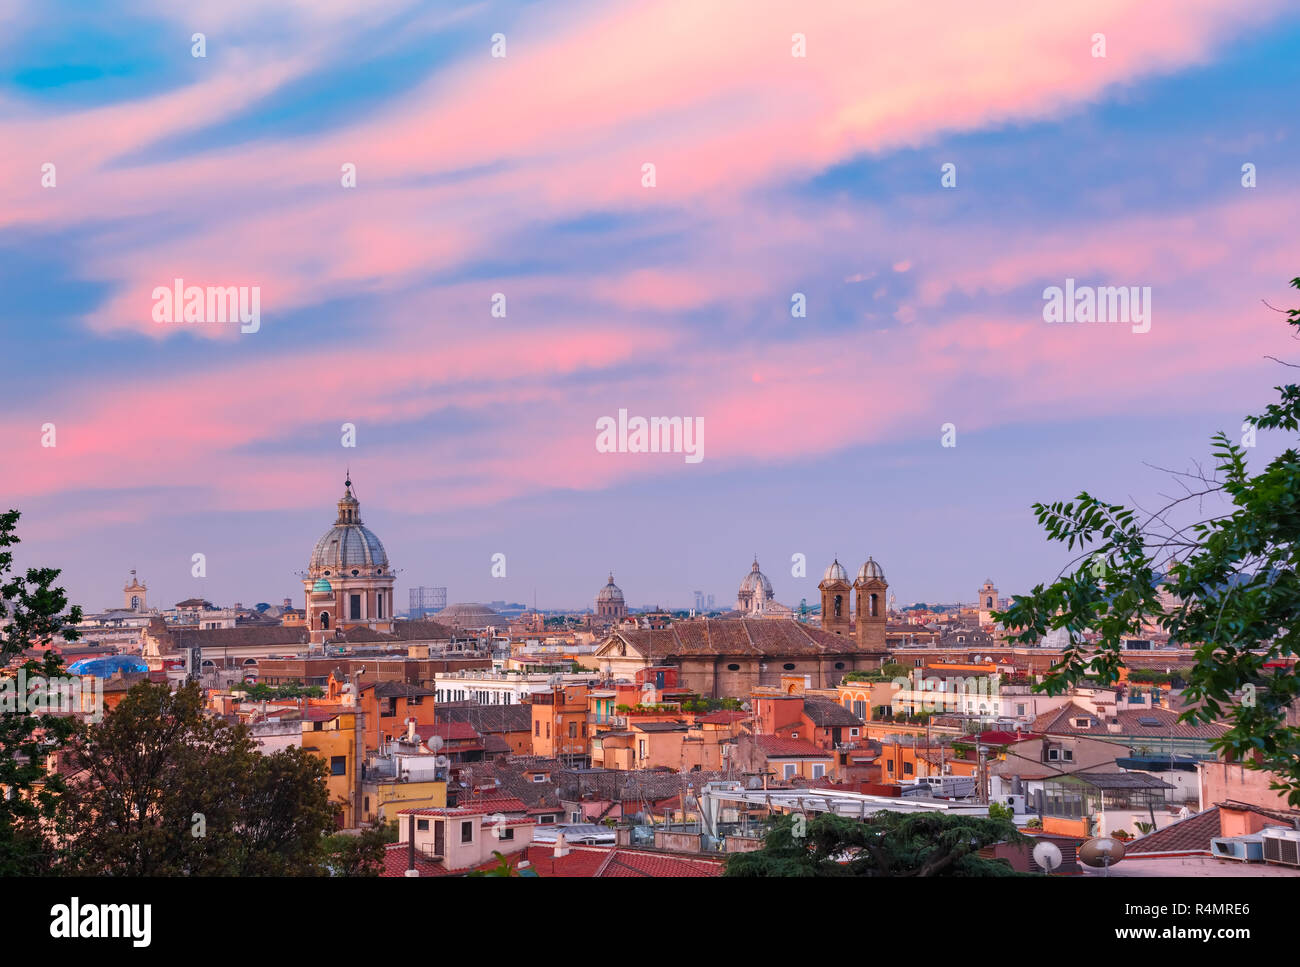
(467, 291)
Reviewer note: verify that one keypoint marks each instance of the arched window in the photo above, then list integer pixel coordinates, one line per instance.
(325, 620)
(874, 606)
(839, 605)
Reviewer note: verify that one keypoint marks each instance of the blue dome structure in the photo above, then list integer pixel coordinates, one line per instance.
(107, 667)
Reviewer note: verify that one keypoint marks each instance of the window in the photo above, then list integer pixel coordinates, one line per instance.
(539, 777)
(366, 804)
(1081, 723)
(379, 605)
(325, 620)
(789, 770)
(537, 728)
(907, 769)
(1020, 708)
(547, 820)
(733, 667)
(548, 730)
(573, 731)
(819, 770)
(422, 825)
(1068, 755)
(853, 733)
(860, 709)
(354, 607)
(889, 765)
(467, 831)
(575, 817)
(788, 666)
(1053, 754)
(505, 832)
(339, 765)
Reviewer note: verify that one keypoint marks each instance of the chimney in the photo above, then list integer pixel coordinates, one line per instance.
(410, 849)
(410, 729)
(561, 846)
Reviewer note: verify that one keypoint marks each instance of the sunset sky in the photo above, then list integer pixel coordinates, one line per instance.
(522, 175)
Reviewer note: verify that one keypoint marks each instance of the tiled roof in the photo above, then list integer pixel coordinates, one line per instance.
(602, 861)
(1061, 721)
(448, 731)
(723, 717)
(739, 637)
(489, 718)
(777, 747)
(234, 637)
(1190, 835)
(827, 713)
(395, 689)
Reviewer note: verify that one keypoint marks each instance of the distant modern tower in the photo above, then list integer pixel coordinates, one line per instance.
(134, 595)
(426, 601)
(871, 611)
(837, 593)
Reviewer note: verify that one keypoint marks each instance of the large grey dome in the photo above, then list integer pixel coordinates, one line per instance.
(348, 545)
(611, 593)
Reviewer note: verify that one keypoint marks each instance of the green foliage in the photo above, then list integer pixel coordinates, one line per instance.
(886, 844)
(170, 791)
(258, 691)
(361, 854)
(1234, 576)
(999, 811)
(36, 613)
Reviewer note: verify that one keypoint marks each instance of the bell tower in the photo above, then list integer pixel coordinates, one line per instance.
(133, 595)
(836, 596)
(872, 610)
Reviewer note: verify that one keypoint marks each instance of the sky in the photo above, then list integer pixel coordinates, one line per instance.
(798, 155)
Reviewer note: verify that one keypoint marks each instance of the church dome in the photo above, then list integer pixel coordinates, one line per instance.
(348, 546)
(755, 579)
(610, 593)
(470, 615)
(835, 572)
(871, 571)
(321, 587)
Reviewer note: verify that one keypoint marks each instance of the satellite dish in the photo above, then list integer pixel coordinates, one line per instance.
(434, 742)
(1101, 852)
(1047, 855)
(442, 762)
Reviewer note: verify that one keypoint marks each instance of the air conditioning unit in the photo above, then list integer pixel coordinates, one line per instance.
(1246, 849)
(1281, 845)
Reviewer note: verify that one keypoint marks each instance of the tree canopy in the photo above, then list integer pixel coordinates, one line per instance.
(885, 844)
(1232, 577)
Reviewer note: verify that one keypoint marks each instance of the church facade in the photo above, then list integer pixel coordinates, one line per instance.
(868, 621)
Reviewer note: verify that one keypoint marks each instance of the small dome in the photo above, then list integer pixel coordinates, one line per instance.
(754, 579)
(835, 572)
(871, 571)
(610, 593)
(321, 587)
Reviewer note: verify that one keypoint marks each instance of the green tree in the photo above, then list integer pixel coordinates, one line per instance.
(35, 611)
(886, 844)
(361, 854)
(169, 790)
(1234, 580)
